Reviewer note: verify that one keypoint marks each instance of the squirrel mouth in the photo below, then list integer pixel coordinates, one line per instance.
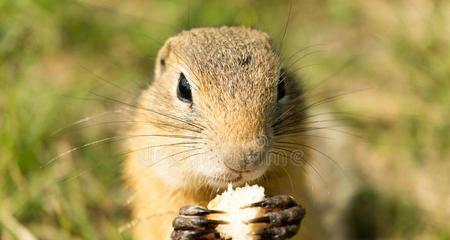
(228, 180)
(236, 179)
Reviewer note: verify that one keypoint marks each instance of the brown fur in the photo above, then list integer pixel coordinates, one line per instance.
(233, 73)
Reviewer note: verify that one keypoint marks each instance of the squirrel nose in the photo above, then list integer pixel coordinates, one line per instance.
(244, 163)
(245, 158)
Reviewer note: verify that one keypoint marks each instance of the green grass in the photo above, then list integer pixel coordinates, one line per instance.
(53, 54)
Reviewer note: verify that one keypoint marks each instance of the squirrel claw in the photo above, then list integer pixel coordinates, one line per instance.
(192, 224)
(197, 210)
(284, 216)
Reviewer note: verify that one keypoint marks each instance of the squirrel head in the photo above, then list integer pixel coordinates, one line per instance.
(221, 92)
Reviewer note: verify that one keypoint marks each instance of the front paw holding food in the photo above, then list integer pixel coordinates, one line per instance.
(192, 224)
(283, 216)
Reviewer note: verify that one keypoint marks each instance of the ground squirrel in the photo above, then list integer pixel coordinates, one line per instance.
(220, 109)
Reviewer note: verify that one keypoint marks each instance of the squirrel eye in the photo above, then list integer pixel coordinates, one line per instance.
(184, 89)
(281, 87)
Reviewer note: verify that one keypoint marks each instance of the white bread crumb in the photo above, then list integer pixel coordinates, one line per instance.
(231, 202)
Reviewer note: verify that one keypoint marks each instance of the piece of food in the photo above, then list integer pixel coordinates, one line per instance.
(231, 202)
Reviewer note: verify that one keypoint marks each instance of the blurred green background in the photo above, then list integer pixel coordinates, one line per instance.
(55, 53)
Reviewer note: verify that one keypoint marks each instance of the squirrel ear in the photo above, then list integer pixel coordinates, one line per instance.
(163, 54)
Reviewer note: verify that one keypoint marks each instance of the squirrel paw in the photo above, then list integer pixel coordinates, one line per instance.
(191, 223)
(284, 216)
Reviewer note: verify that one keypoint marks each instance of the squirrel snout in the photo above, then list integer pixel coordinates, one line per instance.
(245, 157)
(244, 163)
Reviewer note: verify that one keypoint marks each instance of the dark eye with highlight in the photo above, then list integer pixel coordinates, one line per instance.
(281, 86)
(184, 89)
